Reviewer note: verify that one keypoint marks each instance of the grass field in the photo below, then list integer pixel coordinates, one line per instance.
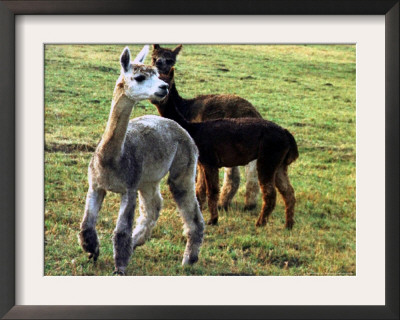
(308, 89)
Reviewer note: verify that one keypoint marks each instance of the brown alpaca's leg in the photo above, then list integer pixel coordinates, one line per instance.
(212, 182)
(201, 187)
(287, 192)
(266, 177)
(269, 201)
(229, 187)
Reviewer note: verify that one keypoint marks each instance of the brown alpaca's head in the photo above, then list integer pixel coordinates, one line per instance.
(164, 59)
(169, 77)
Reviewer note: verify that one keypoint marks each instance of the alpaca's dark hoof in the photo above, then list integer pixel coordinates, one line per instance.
(118, 272)
(94, 255)
(193, 260)
(289, 225)
(90, 243)
(188, 261)
(249, 207)
(212, 222)
(261, 222)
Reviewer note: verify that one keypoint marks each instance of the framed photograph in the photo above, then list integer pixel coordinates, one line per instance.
(327, 71)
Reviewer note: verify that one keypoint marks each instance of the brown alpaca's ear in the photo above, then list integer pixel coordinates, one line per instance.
(171, 73)
(156, 46)
(177, 49)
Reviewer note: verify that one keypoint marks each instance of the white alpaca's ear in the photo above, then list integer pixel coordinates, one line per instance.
(125, 59)
(142, 55)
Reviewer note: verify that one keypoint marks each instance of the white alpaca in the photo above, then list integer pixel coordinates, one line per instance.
(133, 156)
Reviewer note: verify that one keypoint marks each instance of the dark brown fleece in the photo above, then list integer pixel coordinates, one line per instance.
(236, 142)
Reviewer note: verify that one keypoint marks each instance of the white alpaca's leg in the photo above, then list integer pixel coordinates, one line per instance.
(181, 184)
(122, 234)
(229, 187)
(88, 235)
(252, 186)
(150, 203)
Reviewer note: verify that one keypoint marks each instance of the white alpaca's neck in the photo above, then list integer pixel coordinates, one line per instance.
(111, 144)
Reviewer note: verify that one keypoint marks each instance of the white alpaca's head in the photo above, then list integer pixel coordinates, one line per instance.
(140, 82)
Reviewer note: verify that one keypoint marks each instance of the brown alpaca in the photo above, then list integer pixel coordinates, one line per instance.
(210, 107)
(236, 142)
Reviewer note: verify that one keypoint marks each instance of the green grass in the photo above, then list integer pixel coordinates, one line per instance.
(308, 89)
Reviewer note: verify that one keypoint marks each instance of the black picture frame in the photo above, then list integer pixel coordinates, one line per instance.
(8, 11)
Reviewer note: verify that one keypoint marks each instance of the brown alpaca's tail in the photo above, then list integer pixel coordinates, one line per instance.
(293, 153)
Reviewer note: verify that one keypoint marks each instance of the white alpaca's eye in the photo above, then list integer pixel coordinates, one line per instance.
(140, 78)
